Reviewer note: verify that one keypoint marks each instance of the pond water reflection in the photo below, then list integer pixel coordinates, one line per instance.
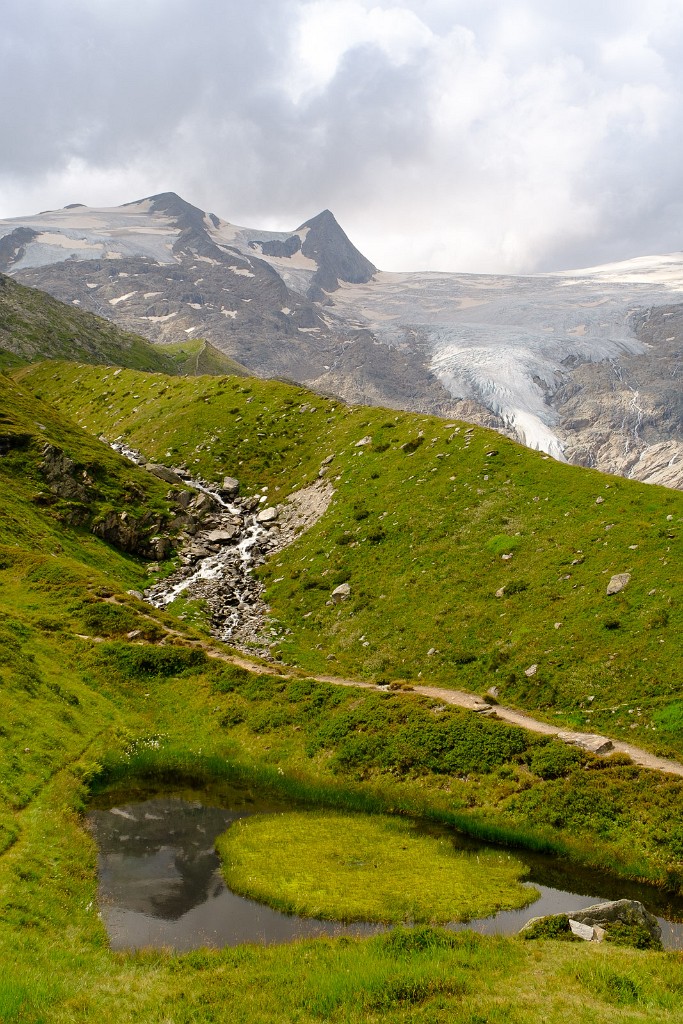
(161, 884)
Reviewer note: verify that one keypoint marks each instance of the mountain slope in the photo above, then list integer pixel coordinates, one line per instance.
(583, 365)
(470, 559)
(35, 326)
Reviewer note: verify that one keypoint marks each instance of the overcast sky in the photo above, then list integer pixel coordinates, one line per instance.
(483, 135)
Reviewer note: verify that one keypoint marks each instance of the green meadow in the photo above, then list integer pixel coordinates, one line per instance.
(428, 523)
(422, 514)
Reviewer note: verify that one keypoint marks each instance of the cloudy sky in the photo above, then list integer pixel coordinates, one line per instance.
(483, 135)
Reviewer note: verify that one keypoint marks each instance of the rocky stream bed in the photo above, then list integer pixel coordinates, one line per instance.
(224, 537)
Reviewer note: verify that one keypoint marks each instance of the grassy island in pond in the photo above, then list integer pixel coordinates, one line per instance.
(362, 868)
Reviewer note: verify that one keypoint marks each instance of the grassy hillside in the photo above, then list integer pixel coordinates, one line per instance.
(61, 485)
(35, 326)
(470, 559)
(196, 356)
(95, 691)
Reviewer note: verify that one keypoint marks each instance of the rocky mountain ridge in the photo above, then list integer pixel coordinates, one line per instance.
(584, 365)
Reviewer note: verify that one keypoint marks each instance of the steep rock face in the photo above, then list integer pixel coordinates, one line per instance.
(337, 258)
(626, 416)
(584, 365)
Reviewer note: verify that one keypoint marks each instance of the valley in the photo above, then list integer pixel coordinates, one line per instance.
(439, 567)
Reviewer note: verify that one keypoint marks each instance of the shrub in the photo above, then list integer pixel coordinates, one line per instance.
(411, 446)
(139, 662)
(226, 678)
(555, 760)
(109, 619)
(555, 926)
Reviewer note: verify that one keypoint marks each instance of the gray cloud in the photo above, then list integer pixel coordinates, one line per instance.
(448, 134)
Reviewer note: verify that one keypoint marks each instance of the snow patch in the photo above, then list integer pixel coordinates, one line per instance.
(158, 319)
(121, 298)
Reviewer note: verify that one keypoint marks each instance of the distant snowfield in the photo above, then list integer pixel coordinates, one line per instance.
(505, 341)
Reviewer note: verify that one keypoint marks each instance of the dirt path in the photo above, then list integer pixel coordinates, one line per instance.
(580, 739)
(461, 699)
(589, 741)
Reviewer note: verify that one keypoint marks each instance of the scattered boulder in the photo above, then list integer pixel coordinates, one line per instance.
(624, 922)
(267, 516)
(251, 504)
(341, 593)
(531, 670)
(363, 441)
(500, 592)
(618, 583)
(184, 499)
(591, 742)
(205, 503)
(230, 487)
(224, 536)
(164, 473)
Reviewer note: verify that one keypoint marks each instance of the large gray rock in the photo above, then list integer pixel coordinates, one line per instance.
(164, 473)
(618, 582)
(230, 488)
(205, 503)
(581, 930)
(341, 593)
(267, 516)
(589, 741)
(223, 536)
(593, 924)
(628, 912)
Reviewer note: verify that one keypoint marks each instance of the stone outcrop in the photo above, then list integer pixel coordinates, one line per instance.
(623, 921)
(618, 583)
(625, 912)
(65, 477)
(591, 742)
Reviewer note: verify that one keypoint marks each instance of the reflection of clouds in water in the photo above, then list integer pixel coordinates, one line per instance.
(169, 864)
(162, 893)
(165, 888)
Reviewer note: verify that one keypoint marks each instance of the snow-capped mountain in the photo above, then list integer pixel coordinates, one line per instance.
(584, 365)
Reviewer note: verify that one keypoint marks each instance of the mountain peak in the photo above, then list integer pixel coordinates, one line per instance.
(337, 257)
(323, 219)
(186, 216)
